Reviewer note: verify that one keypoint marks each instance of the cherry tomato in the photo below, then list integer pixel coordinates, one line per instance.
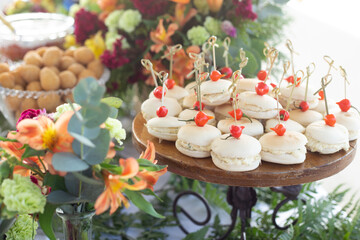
(216, 75)
(162, 111)
(170, 83)
(158, 92)
(201, 118)
(227, 72)
(291, 80)
(330, 120)
(239, 114)
(273, 85)
(236, 131)
(261, 88)
(279, 129)
(284, 115)
(321, 95)
(344, 105)
(304, 106)
(196, 106)
(262, 75)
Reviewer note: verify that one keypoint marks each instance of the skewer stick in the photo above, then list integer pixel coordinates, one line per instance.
(149, 66)
(226, 45)
(171, 53)
(346, 81)
(212, 43)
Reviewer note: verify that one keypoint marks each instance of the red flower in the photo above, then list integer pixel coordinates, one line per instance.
(86, 24)
(116, 58)
(244, 9)
(151, 8)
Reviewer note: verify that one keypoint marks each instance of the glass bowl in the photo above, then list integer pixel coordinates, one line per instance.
(33, 30)
(11, 99)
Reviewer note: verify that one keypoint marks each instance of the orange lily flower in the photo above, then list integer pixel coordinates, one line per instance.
(112, 197)
(150, 177)
(179, 18)
(181, 1)
(215, 5)
(161, 37)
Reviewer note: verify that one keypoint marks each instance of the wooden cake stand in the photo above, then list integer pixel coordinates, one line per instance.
(241, 194)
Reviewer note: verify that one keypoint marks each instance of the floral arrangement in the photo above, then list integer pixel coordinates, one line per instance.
(67, 160)
(23, 6)
(128, 31)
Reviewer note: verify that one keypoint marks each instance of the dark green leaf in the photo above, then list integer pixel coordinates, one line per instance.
(30, 152)
(61, 197)
(112, 101)
(147, 165)
(112, 168)
(200, 234)
(150, 192)
(56, 182)
(45, 220)
(68, 162)
(88, 91)
(138, 200)
(7, 139)
(5, 170)
(82, 139)
(5, 224)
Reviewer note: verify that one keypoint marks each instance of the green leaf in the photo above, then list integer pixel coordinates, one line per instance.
(5, 170)
(45, 221)
(281, 1)
(94, 116)
(30, 152)
(113, 112)
(147, 165)
(68, 162)
(112, 168)
(88, 92)
(252, 66)
(150, 192)
(61, 197)
(112, 101)
(138, 200)
(95, 155)
(82, 139)
(5, 224)
(76, 126)
(270, 10)
(56, 182)
(7, 139)
(200, 234)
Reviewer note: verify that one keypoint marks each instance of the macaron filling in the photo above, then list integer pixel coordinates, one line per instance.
(315, 145)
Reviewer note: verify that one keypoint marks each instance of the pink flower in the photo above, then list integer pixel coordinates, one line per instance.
(86, 24)
(228, 28)
(151, 8)
(31, 114)
(244, 9)
(116, 58)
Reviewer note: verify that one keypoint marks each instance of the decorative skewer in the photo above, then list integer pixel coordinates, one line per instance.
(273, 54)
(289, 45)
(346, 81)
(309, 71)
(213, 44)
(293, 88)
(226, 45)
(172, 51)
(7, 23)
(149, 66)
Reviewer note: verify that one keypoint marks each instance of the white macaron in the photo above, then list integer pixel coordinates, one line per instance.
(333, 107)
(287, 149)
(190, 87)
(350, 120)
(290, 125)
(254, 128)
(149, 107)
(189, 101)
(187, 114)
(326, 139)
(298, 96)
(176, 92)
(249, 84)
(215, 93)
(222, 111)
(164, 127)
(259, 107)
(237, 155)
(195, 141)
(305, 118)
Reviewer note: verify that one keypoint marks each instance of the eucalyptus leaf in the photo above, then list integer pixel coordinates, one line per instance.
(56, 182)
(76, 126)
(281, 1)
(113, 112)
(138, 200)
(82, 139)
(45, 220)
(112, 101)
(68, 162)
(94, 116)
(88, 91)
(61, 197)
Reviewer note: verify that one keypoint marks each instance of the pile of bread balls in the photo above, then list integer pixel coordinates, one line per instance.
(48, 69)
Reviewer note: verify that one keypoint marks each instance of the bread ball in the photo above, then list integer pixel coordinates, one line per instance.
(4, 67)
(67, 79)
(49, 101)
(97, 67)
(52, 57)
(30, 73)
(13, 103)
(33, 58)
(68, 97)
(86, 73)
(34, 86)
(17, 77)
(55, 70)
(49, 80)
(7, 80)
(41, 51)
(65, 62)
(83, 55)
(28, 103)
(69, 52)
(76, 68)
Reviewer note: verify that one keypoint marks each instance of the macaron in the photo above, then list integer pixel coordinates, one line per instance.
(236, 155)
(333, 107)
(176, 92)
(149, 107)
(222, 111)
(248, 85)
(254, 128)
(189, 100)
(287, 149)
(165, 128)
(195, 141)
(190, 87)
(298, 96)
(350, 120)
(326, 139)
(305, 118)
(259, 107)
(215, 93)
(187, 114)
(290, 125)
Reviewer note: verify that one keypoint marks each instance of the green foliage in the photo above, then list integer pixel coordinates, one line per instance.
(200, 234)
(45, 221)
(145, 164)
(138, 200)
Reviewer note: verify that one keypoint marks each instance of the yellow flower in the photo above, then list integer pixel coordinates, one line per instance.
(70, 41)
(96, 44)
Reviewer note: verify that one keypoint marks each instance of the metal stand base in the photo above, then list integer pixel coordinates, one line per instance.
(242, 200)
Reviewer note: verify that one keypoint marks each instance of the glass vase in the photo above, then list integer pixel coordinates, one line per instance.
(76, 225)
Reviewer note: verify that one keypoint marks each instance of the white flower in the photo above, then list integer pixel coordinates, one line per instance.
(64, 108)
(116, 130)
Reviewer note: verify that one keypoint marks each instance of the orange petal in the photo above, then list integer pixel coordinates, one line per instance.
(181, 1)
(130, 167)
(29, 132)
(140, 185)
(13, 148)
(111, 153)
(48, 161)
(102, 203)
(149, 153)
